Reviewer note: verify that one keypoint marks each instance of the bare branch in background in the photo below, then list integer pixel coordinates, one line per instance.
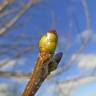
(68, 86)
(86, 12)
(17, 55)
(8, 24)
(17, 75)
(25, 7)
(5, 3)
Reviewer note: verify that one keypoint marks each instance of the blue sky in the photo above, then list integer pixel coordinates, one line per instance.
(70, 23)
(86, 90)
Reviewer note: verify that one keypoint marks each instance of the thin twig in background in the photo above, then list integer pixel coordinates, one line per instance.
(16, 56)
(9, 24)
(17, 75)
(5, 3)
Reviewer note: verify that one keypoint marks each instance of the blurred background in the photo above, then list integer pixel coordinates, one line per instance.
(23, 22)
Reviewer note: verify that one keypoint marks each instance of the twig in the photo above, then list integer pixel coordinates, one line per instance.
(40, 72)
(5, 4)
(25, 7)
(15, 75)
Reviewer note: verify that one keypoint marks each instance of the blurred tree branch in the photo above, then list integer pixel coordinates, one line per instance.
(25, 7)
(5, 3)
(17, 55)
(17, 75)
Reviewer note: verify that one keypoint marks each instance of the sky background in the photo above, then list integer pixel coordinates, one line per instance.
(68, 18)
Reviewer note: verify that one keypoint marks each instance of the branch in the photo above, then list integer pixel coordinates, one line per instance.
(17, 55)
(66, 87)
(25, 7)
(15, 75)
(5, 4)
(41, 71)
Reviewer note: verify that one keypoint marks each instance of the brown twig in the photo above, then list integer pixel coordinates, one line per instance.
(38, 76)
(15, 75)
(41, 71)
(5, 4)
